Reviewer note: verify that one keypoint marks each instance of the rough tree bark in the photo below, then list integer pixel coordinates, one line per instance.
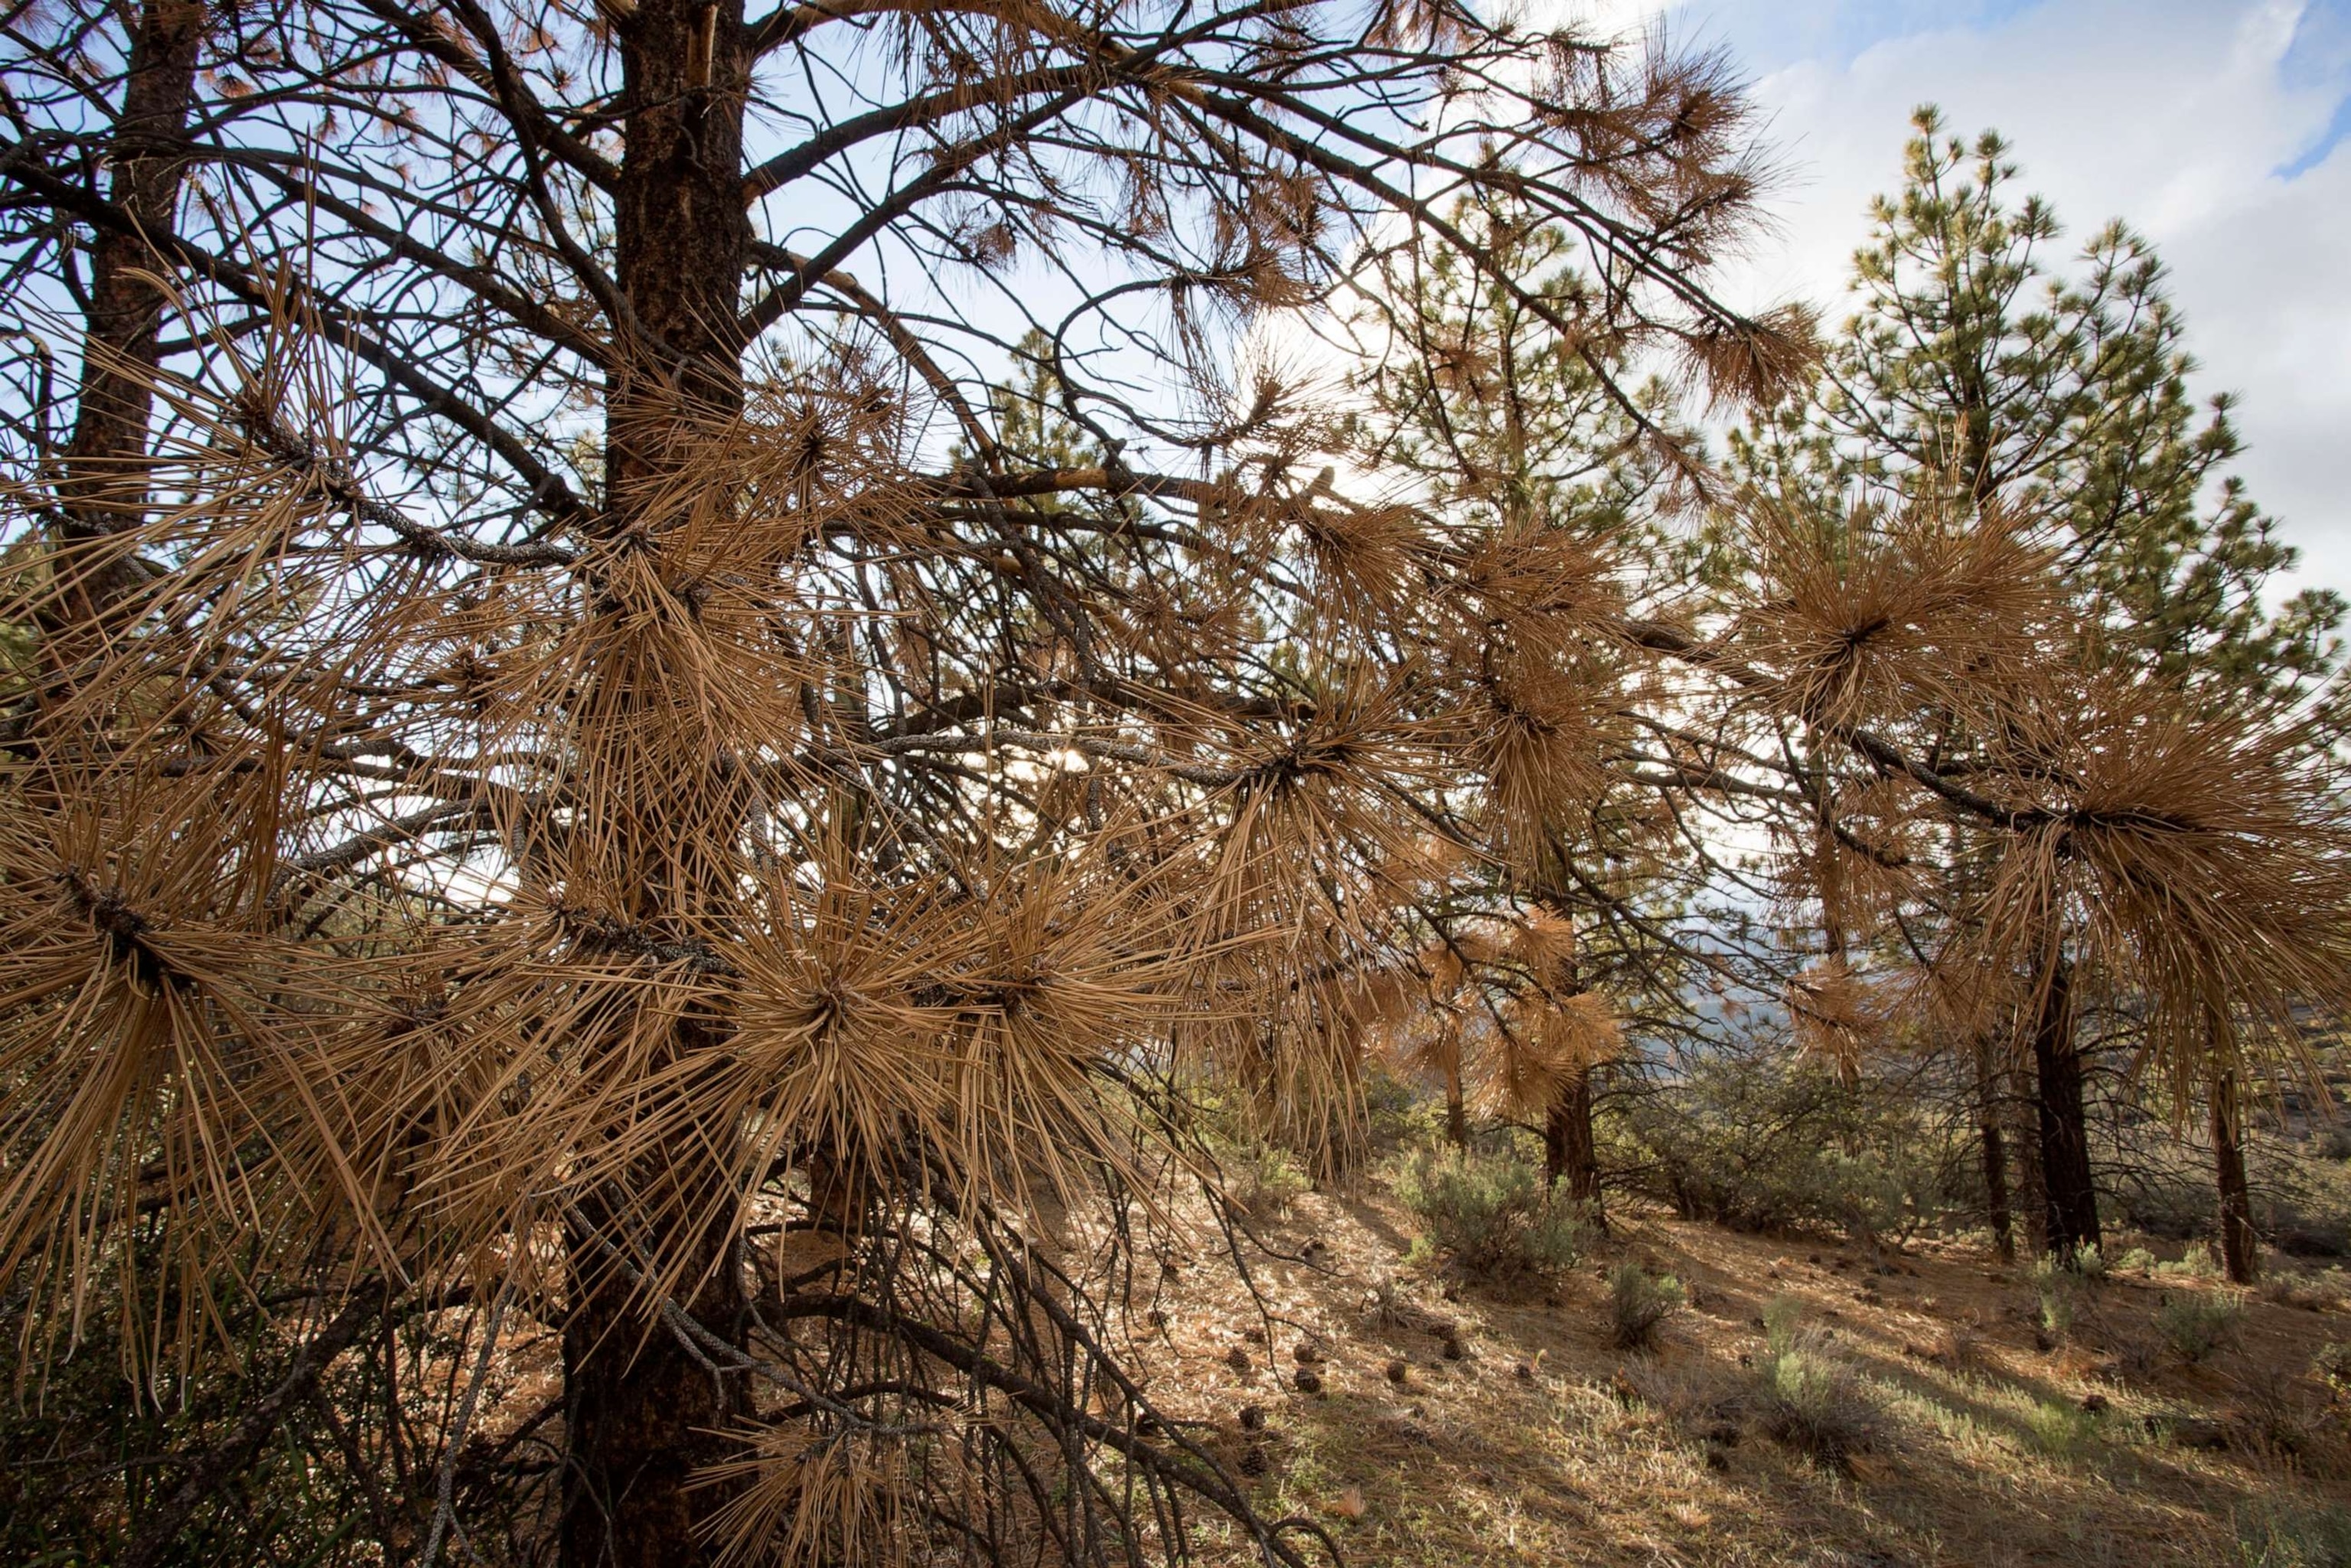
(2031, 1195)
(116, 394)
(1998, 1212)
(2239, 1244)
(1571, 1154)
(642, 1407)
(2071, 1190)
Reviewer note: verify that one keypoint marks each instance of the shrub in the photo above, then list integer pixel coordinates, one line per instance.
(2275, 1414)
(2332, 1366)
(2269, 1536)
(2195, 1324)
(1494, 1218)
(2060, 1428)
(1760, 1141)
(1638, 1304)
(2195, 1264)
(1262, 1179)
(1806, 1396)
(2062, 1294)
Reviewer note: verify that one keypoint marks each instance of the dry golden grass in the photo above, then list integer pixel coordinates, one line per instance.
(1542, 1443)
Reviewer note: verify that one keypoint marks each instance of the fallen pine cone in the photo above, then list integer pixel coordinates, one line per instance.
(1398, 1372)
(1239, 1360)
(1308, 1380)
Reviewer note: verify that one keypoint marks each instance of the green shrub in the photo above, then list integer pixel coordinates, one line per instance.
(2062, 1293)
(1760, 1141)
(1262, 1179)
(1639, 1302)
(1806, 1396)
(2332, 1366)
(2195, 1323)
(1492, 1216)
(2196, 1264)
(2137, 1260)
(2060, 1428)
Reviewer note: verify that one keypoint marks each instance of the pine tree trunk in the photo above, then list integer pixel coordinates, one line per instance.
(640, 1412)
(2071, 1190)
(642, 1408)
(116, 395)
(2032, 1196)
(1570, 1152)
(1997, 1210)
(1456, 1113)
(2239, 1246)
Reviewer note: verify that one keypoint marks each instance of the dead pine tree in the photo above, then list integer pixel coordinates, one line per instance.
(2140, 847)
(586, 775)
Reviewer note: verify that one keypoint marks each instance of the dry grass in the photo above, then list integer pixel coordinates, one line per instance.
(1544, 1444)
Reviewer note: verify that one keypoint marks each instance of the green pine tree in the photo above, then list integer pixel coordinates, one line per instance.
(1983, 360)
(1986, 368)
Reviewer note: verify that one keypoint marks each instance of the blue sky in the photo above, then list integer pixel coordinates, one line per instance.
(2222, 129)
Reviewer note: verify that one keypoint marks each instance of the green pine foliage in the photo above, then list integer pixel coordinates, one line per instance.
(1985, 358)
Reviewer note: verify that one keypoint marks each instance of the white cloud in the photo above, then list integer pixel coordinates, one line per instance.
(2175, 115)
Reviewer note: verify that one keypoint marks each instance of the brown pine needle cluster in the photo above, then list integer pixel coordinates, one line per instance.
(595, 755)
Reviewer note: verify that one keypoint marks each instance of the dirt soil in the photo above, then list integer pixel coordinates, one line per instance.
(1985, 1440)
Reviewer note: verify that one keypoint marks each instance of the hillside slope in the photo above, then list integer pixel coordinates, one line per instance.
(1955, 1428)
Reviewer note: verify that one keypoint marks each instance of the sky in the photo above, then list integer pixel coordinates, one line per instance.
(2219, 129)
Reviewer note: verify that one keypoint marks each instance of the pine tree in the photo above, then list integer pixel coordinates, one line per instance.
(1493, 417)
(580, 769)
(1984, 368)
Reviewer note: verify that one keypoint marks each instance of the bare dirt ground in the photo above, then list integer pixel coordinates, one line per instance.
(1987, 1439)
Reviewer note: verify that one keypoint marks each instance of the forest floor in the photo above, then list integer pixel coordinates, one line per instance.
(1976, 1436)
